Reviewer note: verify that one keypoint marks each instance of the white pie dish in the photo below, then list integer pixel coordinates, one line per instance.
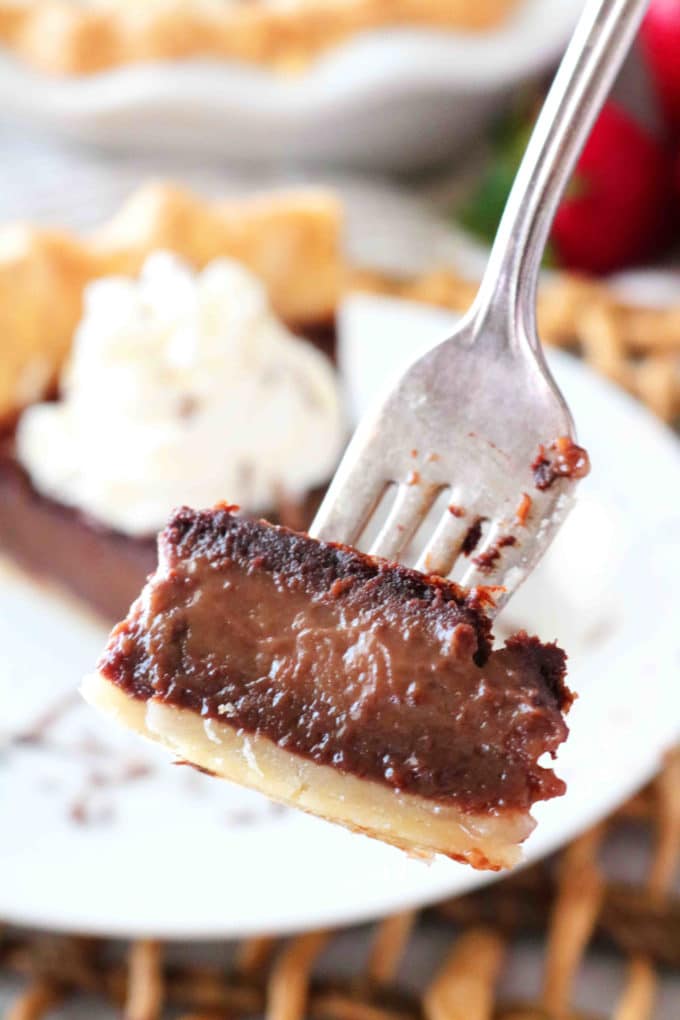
(392, 100)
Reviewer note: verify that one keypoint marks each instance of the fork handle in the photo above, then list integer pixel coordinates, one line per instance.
(603, 36)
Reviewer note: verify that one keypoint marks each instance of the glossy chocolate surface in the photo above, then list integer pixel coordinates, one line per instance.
(353, 662)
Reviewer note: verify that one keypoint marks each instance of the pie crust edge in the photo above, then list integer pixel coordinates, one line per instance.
(420, 827)
(291, 240)
(65, 38)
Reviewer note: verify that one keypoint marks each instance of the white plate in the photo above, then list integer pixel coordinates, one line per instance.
(169, 852)
(385, 100)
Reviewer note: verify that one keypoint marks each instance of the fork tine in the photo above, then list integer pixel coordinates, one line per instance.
(408, 510)
(444, 546)
(498, 561)
(348, 504)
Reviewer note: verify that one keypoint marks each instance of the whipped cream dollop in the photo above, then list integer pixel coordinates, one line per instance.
(183, 388)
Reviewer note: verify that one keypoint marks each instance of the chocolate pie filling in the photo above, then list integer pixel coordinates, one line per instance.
(352, 662)
(56, 543)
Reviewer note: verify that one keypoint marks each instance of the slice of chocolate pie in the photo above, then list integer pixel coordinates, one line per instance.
(177, 355)
(353, 688)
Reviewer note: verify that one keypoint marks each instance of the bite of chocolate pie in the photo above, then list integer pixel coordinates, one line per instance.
(344, 685)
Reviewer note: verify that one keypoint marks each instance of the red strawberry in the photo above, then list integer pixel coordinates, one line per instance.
(617, 208)
(660, 41)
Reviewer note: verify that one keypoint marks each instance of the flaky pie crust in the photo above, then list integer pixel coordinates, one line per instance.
(413, 823)
(66, 38)
(293, 242)
(290, 240)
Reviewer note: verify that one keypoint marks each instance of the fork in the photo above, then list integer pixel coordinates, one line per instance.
(471, 418)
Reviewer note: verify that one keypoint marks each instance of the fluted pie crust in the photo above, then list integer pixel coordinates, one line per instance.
(66, 37)
(421, 827)
(290, 240)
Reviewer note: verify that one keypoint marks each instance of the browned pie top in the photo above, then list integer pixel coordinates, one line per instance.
(367, 666)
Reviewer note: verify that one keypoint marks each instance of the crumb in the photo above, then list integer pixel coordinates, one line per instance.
(36, 734)
(187, 407)
(472, 536)
(569, 461)
(133, 770)
(523, 509)
(487, 559)
(83, 812)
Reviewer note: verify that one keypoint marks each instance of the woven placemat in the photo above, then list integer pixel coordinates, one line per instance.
(636, 346)
(571, 903)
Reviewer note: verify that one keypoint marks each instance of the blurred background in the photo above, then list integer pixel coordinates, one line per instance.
(350, 159)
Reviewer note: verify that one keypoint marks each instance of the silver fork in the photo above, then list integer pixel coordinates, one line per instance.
(469, 416)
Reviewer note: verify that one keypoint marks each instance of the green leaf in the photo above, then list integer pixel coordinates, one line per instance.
(480, 213)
